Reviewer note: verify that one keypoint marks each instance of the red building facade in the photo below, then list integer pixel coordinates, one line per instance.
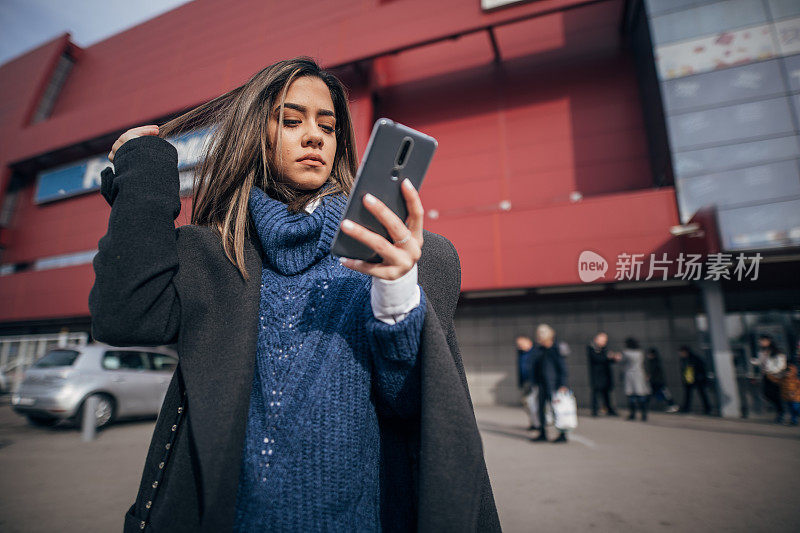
(545, 151)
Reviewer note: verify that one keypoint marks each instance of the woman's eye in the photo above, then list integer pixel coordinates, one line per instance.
(326, 128)
(291, 123)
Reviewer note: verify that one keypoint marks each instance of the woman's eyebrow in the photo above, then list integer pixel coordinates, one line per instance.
(303, 109)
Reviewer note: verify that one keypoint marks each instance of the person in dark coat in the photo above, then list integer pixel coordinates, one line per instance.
(658, 381)
(772, 363)
(207, 287)
(601, 379)
(694, 377)
(549, 371)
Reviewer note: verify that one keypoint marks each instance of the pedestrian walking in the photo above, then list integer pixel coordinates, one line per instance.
(601, 379)
(549, 370)
(772, 364)
(525, 380)
(694, 377)
(790, 388)
(744, 378)
(658, 381)
(311, 394)
(636, 387)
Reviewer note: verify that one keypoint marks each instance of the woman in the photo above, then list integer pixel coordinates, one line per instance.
(636, 388)
(311, 394)
(773, 365)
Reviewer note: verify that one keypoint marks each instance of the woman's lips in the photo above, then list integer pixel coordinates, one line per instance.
(312, 162)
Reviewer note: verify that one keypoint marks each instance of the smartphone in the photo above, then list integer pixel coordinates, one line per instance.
(394, 152)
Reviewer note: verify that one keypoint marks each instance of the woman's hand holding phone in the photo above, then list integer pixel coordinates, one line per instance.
(132, 133)
(402, 254)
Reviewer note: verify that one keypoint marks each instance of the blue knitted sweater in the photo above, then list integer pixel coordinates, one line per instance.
(326, 369)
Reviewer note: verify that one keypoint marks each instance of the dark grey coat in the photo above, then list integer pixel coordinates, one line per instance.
(155, 284)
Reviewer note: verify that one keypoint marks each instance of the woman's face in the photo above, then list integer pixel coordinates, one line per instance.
(308, 136)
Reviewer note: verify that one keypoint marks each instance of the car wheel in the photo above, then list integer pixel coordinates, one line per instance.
(42, 421)
(103, 413)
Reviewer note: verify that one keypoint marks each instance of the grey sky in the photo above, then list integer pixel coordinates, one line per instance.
(26, 24)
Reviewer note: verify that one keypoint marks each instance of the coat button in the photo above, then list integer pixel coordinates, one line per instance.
(180, 410)
(161, 465)
(141, 524)
(155, 484)
(148, 504)
(174, 427)
(167, 446)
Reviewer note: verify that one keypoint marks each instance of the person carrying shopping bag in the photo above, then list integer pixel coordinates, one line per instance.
(549, 370)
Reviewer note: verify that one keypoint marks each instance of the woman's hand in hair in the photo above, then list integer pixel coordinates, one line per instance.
(132, 134)
(402, 253)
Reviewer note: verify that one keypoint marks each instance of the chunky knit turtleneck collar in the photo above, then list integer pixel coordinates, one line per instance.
(293, 242)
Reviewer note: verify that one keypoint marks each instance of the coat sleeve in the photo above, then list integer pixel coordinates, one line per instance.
(133, 300)
(395, 351)
(563, 375)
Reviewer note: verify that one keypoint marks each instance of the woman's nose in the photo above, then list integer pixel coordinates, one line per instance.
(313, 138)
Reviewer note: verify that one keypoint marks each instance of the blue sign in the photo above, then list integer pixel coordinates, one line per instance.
(84, 176)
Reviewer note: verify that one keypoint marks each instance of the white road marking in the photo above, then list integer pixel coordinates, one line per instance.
(589, 443)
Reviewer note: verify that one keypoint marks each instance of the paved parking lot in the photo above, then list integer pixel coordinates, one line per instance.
(670, 474)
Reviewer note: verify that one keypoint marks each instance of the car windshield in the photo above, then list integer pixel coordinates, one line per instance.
(162, 361)
(57, 358)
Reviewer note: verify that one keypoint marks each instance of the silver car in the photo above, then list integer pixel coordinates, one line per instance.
(127, 382)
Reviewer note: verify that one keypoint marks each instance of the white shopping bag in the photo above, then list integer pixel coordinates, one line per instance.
(565, 411)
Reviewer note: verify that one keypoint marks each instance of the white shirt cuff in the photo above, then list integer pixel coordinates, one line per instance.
(392, 300)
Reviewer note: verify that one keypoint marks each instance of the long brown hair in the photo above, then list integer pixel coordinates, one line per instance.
(239, 154)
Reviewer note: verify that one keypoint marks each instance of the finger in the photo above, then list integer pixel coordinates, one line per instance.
(378, 270)
(415, 211)
(393, 224)
(132, 133)
(390, 253)
(146, 127)
(138, 132)
(397, 230)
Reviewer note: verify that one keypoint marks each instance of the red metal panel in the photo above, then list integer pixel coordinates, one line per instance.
(203, 48)
(57, 293)
(540, 247)
(534, 132)
(519, 248)
(525, 139)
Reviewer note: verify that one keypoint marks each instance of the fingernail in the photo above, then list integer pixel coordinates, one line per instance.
(407, 183)
(369, 198)
(343, 260)
(346, 224)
